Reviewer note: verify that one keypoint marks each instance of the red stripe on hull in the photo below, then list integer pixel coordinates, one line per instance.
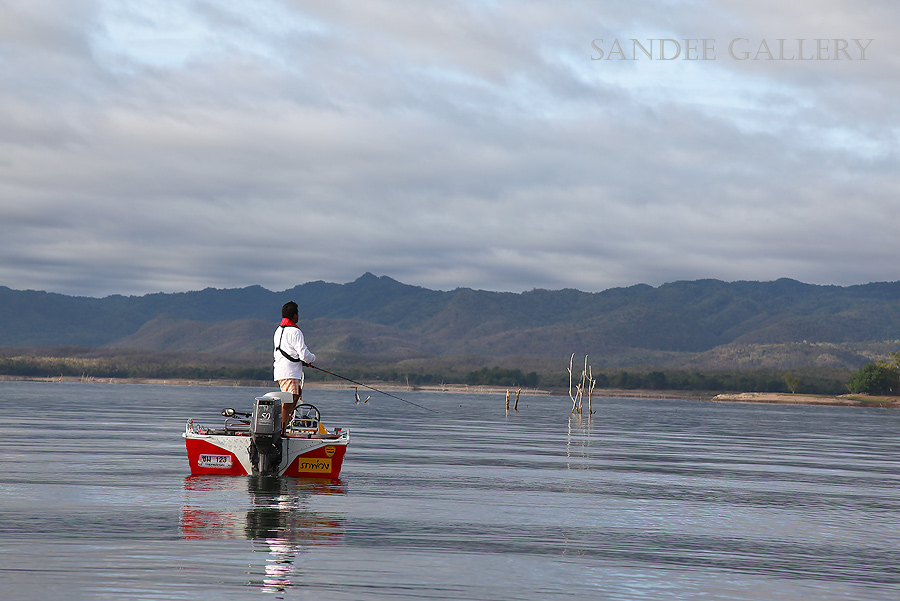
(206, 458)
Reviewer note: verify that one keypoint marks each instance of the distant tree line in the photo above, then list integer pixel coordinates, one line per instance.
(738, 381)
(881, 377)
(129, 367)
(494, 376)
(497, 376)
(878, 378)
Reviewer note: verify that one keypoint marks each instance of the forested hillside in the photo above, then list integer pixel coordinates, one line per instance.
(377, 320)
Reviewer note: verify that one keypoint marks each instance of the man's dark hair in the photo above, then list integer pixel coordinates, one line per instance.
(289, 309)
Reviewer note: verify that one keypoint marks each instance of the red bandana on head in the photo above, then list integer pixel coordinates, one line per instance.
(287, 323)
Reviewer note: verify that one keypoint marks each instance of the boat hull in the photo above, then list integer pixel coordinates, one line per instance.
(229, 454)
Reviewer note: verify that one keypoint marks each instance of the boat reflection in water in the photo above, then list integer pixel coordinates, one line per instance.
(278, 519)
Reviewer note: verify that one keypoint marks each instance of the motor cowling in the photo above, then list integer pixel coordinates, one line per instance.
(265, 436)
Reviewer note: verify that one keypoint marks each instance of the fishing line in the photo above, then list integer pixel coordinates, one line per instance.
(367, 386)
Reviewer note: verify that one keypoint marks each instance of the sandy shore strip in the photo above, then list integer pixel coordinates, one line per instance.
(385, 386)
(848, 400)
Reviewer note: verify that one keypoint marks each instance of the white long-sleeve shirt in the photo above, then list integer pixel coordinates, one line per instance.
(291, 340)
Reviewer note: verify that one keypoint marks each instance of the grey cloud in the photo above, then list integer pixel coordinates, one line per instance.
(458, 144)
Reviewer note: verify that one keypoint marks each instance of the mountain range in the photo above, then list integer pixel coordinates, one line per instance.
(378, 320)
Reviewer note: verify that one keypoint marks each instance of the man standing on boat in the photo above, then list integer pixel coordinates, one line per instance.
(291, 355)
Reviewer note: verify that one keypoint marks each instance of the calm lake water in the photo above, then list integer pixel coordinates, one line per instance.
(649, 499)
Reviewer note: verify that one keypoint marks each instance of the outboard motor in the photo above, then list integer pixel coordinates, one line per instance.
(265, 435)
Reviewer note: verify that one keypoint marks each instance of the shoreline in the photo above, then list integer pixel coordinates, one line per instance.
(386, 386)
(849, 400)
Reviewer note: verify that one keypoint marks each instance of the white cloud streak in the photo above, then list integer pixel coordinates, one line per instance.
(171, 145)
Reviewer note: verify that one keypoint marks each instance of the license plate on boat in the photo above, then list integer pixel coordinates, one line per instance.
(220, 461)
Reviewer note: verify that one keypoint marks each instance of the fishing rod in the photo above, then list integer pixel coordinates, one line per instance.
(367, 386)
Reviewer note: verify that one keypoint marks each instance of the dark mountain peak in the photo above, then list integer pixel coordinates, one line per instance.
(681, 316)
(381, 289)
(369, 280)
(789, 284)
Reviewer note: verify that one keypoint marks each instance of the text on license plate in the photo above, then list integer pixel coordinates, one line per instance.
(220, 461)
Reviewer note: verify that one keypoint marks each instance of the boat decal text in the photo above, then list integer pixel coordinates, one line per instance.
(316, 466)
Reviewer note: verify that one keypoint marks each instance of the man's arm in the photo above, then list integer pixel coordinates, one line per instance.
(299, 348)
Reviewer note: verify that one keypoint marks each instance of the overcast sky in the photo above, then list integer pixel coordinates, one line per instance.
(173, 145)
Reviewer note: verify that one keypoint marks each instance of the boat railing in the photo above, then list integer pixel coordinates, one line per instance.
(237, 425)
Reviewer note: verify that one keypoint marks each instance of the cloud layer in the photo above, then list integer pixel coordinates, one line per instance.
(179, 145)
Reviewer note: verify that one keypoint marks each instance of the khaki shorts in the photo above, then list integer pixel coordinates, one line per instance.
(291, 385)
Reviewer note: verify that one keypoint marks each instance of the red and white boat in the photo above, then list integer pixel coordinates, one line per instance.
(254, 443)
